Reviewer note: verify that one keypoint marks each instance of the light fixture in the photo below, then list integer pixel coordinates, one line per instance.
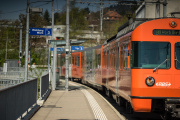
(150, 81)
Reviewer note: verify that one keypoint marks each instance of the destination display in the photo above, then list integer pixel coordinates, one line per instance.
(166, 32)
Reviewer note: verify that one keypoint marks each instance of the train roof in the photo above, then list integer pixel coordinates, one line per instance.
(128, 27)
(95, 47)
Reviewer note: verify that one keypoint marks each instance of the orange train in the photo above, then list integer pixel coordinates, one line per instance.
(140, 65)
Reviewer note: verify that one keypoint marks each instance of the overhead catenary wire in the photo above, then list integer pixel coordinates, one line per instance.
(23, 9)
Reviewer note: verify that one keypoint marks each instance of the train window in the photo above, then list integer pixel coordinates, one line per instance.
(121, 57)
(61, 61)
(96, 64)
(78, 61)
(99, 60)
(110, 59)
(150, 55)
(125, 57)
(70, 60)
(117, 59)
(104, 59)
(107, 59)
(82, 60)
(73, 60)
(114, 59)
(177, 55)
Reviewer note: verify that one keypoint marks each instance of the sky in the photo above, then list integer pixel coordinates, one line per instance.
(10, 9)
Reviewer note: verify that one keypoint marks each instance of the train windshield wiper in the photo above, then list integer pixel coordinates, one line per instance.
(177, 60)
(154, 70)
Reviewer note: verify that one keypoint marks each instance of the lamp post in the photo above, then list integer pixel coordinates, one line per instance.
(35, 10)
(67, 47)
(27, 41)
(20, 45)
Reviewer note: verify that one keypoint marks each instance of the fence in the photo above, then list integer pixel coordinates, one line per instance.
(17, 96)
(17, 99)
(44, 86)
(4, 83)
(15, 75)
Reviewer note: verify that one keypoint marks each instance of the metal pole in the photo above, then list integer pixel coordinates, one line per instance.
(54, 67)
(27, 42)
(6, 44)
(67, 47)
(49, 63)
(164, 8)
(52, 37)
(101, 16)
(157, 9)
(52, 19)
(20, 45)
(91, 37)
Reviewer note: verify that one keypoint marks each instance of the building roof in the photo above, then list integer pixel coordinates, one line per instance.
(112, 15)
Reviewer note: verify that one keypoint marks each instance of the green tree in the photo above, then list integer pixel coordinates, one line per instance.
(77, 21)
(46, 17)
(36, 44)
(87, 10)
(9, 41)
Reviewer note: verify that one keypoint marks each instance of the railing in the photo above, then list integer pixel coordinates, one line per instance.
(4, 83)
(16, 100)
(12, 74)
(16, 96)
(13, 69)
(44, 86)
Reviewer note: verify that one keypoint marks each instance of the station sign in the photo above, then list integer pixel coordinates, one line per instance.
(41, 31)
(72, 48)
(77, 48)
(58, 49)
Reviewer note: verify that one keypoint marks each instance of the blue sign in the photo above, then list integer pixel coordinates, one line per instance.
(72, 48)
(41, 31)
(76, 48)
(58, 49)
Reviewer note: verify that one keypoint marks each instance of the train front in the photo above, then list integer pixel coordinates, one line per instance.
(155, 63)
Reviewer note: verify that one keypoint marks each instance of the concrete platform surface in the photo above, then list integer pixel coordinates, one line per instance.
(79, 103)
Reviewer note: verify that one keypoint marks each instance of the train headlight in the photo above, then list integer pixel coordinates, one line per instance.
(173, 24)
(150, 81)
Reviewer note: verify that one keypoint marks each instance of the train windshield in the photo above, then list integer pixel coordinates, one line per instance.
(150, 55)
(177, 55)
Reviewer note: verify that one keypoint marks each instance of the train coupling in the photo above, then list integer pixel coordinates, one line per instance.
(173, 107)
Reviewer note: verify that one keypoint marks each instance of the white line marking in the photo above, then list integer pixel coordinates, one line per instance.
(98, 113)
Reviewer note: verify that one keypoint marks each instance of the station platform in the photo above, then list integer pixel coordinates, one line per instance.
(78, 103)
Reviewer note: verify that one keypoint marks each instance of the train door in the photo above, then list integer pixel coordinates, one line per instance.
(107, 74)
